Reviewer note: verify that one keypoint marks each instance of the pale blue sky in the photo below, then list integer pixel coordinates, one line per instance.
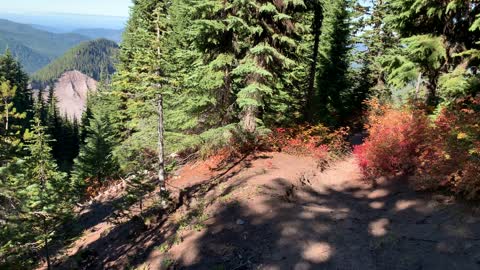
(94, 7)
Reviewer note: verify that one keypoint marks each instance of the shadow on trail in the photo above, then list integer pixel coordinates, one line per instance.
(130, 242)
(292, 225)
(389, 227)
(89, 217)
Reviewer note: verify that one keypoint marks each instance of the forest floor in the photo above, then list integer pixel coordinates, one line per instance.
(278, 211)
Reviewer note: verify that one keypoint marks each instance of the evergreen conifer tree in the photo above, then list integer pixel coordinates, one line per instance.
(436, 43)
(95, 161)
(11, 71)
(257, 44)
(46, 192)
(332, 81)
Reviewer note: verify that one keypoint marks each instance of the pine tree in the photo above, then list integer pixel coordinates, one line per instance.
(143, 78)
(85, 121)
(95, 161)
(316, 28)
(12, 231)
(377, 38)
(11, 71)
(45, 196)
(11, 138)
(332, 82)
(54, 126)
(258, 41)
(436, 43)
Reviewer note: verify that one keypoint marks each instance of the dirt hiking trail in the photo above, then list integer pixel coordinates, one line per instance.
(278, 211)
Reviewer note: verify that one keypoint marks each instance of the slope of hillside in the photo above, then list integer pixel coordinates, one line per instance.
(28, 43)
(30, 59)
(71, 91)
(65, 22)
(93, 58)
(96, 33)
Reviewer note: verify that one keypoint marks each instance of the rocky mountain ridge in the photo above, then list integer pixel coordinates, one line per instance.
(71, 91)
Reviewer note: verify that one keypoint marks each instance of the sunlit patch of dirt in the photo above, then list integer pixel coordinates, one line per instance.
(280, 211)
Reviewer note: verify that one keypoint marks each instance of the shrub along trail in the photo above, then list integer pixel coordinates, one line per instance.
(279, 211)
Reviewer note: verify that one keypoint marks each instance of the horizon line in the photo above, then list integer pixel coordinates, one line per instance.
(60, 13)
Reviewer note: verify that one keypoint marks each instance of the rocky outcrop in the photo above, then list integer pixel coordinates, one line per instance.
(71, 91)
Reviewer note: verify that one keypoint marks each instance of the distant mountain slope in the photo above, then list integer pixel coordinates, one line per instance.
(71, 91)
(50, 29)
(63, 22)
(91, 58)
(33, 47)
(29, 58)
(95, 33)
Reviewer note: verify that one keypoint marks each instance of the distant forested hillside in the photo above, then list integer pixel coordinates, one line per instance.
(92, 58)
(111, 34)
(30, 58)
(35, 48)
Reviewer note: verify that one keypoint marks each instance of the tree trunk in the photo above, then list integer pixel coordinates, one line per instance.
(417, 87)
(317, 31)
(6, 117)
(250, 112)
(161, 129)
(250, 119)
(431, 99)
(161, 150)
(45, 239)
(225, 99)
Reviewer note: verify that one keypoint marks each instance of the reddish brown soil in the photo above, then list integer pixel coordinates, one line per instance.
(277, 211)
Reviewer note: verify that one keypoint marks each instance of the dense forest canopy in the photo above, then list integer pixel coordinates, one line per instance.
(226, 71)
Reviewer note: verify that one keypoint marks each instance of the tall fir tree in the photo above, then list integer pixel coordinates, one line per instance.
(436, 37)
(45, 195)
(256, 54)
(11, 70)
(374, 41)
(332, 79)
(95, 161)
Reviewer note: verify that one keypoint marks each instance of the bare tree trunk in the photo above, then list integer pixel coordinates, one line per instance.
(250, 119)
(161, 150)
(6, 117)
(250, 112)
(161, 129)
(317, 25)
(225, 98)
(417, 87)
(45, 239)
(432, 92)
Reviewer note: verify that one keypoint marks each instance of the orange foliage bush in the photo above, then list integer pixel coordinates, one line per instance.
(395, 138)
(453, 157)
(442, 153)
(317, 141)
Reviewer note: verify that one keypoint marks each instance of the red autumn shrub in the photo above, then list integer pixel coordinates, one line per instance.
(396, 136)
(442, 153)
(317, 141)
(453, 158)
